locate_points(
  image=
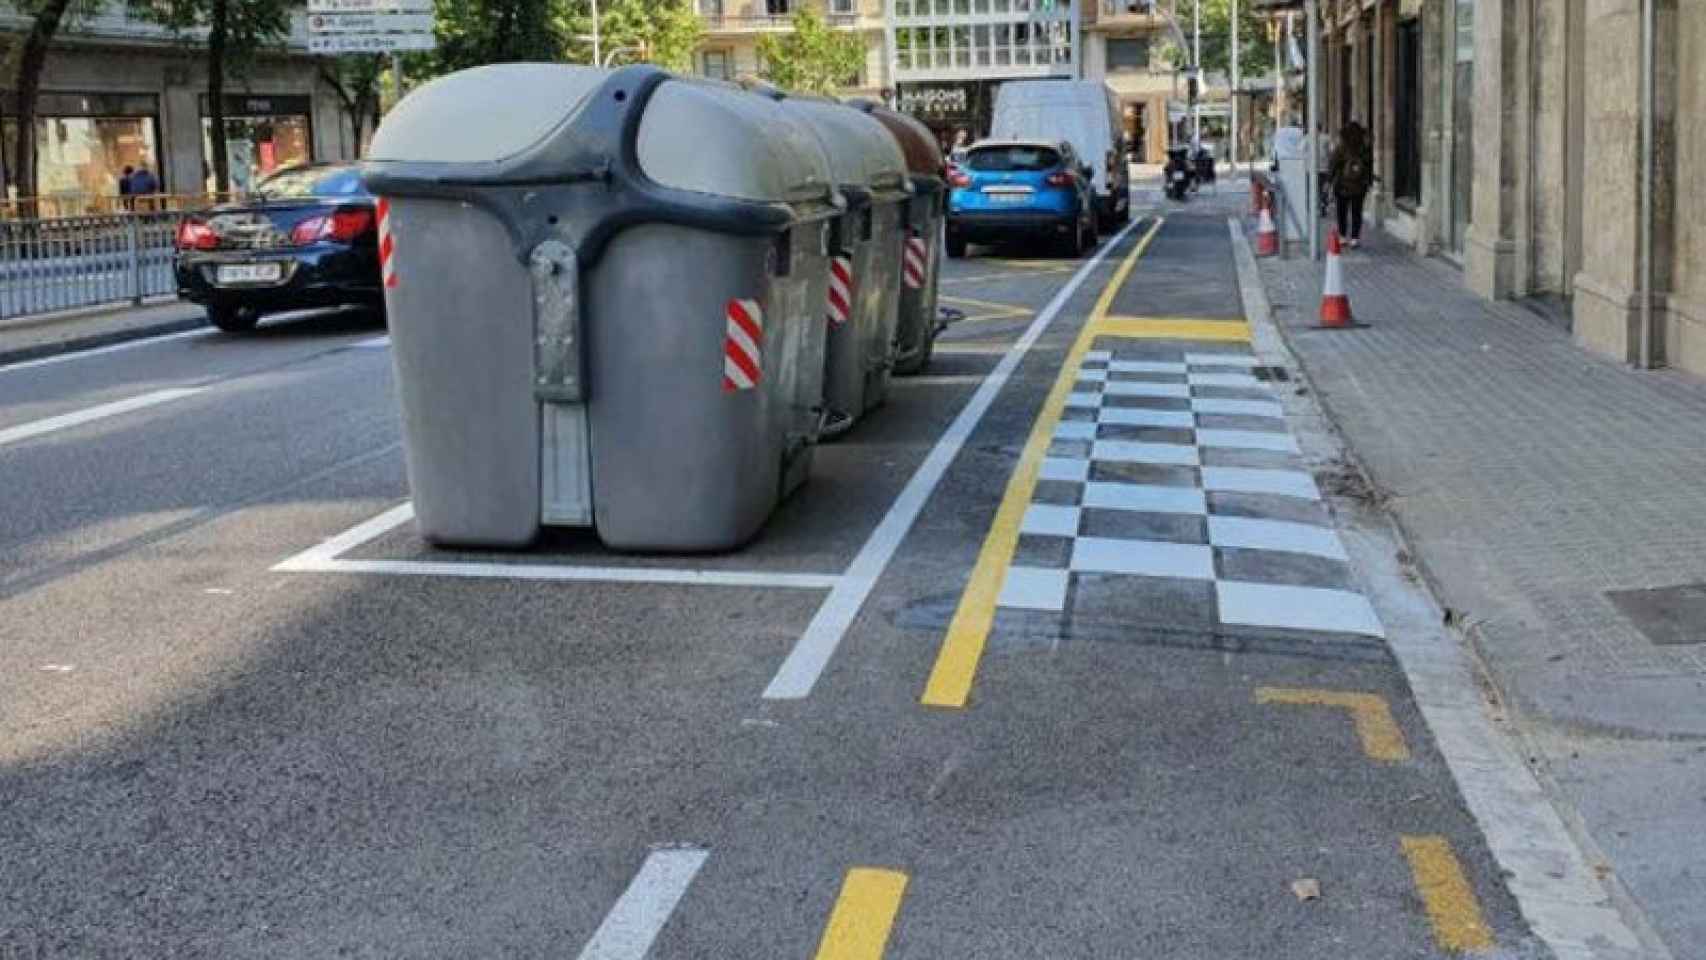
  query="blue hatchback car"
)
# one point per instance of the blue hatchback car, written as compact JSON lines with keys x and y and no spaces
{"x":1014,"y":190}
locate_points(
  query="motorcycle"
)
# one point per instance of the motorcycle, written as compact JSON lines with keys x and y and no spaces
{"x":1179,"y":176}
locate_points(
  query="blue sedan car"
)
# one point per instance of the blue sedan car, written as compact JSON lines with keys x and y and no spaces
{"x":1021,"y":190}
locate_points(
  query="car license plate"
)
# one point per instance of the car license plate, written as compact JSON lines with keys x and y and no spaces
{"x":249,"y":272}
{"x":1008,"y":196}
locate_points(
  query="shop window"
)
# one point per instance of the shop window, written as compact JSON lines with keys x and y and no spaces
{"x":83,"y":144}
{"x":257,"y":146}
{"x":716,"y":65}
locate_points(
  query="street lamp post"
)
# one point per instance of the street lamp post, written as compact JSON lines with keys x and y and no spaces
{"x":597,"y":59}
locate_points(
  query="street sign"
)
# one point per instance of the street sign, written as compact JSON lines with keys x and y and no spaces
{"x":369,"y":6}
{"x":324,"y":23}
{"x":336,"y":43}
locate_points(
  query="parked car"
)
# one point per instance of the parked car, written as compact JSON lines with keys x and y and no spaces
{"x":1021,"y":190}
{"x":305,"y":237}
{"x":1084,"y":113}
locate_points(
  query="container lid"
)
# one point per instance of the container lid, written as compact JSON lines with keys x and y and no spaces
{"x":861,"y":152}
{"x":484,"y":115}
{"x":917,"y":144}
{"x":715,"y":138}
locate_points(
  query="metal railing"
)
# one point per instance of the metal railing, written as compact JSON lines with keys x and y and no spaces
{"x":758,"y":21}
{"x":64,"y":263}
{"x":66,"y":205}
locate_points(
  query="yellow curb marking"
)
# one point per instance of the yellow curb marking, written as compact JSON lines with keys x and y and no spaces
{"x":1381,"y":738}
{"x":1177,"y":328}
{"x":1451,"y":904}
{"x":858,"y":927}
{"x":956,"y":663}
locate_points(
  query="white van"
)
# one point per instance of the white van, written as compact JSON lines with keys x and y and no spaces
{"x":1084,"y":113}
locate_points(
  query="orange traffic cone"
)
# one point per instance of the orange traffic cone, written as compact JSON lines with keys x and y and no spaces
{"x":1267,"y":237}
{"x":1335,"y":305}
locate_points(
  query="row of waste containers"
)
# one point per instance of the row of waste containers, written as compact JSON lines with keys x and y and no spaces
{"x":635,"y":301}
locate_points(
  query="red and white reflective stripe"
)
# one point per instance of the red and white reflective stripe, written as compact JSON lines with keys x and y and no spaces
{"x":742,"y":366}
{"x":840,"y":290}
{"x":387,"y":265}
{"x":916,"y":262}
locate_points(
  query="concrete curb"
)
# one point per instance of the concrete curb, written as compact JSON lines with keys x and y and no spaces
{"x":1544,"y":854}
{"x":96,"y":340}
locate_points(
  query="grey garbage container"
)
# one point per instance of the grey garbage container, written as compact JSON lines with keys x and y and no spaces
{"x":870,"y":172}
{"x":916,"y":322}
{"x":606,"y":308}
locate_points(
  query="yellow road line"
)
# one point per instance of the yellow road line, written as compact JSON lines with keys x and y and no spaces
{"x":1450,"y":901}
{"x":858,"y":927}
{"x":988,"y":304}
{"x":956,"y":663}
{"x":1177,"y":328}
{"x":1381,"y":738}
{"x":1026,"y":275}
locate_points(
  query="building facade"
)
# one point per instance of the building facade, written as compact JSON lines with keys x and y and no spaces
{"x":729,"y":49}
{"x":118,"y":92}
{"x":1507,"y":137}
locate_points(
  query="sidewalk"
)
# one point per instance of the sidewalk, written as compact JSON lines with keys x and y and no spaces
{"x":25,"y":338}
{"x":1537,"y":483}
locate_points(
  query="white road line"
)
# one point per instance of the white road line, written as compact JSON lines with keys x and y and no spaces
{"x":1144,"y":558}
{"x":806,"y":662}
{"x":1250,"y":533}
{"x":324,"y":558}
{"x":315,"y":559}
{"x":1134,"y":451}
{"x":65,"y":421}
{"x":641,"y":912}
{"x":114,"y":348}
{"x":1034,"y":588}
{"x":1296,"y":608}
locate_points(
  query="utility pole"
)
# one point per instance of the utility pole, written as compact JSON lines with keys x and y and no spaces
{"x":1312,"y":210}
{"x":1196,"y":68}
{"x":1236,"y":86}
{"x":597,"y":58}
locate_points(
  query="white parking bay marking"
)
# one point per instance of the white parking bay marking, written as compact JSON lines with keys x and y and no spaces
{"x":327,"y":558}
{"x":806,"y":662}
{"x":65,"y":421}
{"x":640,"y":914}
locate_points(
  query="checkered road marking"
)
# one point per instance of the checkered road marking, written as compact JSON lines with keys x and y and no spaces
{"x":1173,"y":484}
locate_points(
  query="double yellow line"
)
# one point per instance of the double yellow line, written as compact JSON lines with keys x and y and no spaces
{"x":956,"y":664}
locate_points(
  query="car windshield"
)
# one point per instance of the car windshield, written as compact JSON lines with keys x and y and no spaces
{"x":1003,"y":159}
{"x":304,"y":182}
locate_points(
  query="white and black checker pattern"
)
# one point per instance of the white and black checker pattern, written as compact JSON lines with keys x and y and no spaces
{"x":1173,"y":485}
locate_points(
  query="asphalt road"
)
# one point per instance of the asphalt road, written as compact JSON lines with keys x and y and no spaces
{"x":205,"y":756}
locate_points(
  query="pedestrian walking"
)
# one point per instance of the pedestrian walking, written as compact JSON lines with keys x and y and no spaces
{"x":1353,"y":174}
{"x":124,"y":185}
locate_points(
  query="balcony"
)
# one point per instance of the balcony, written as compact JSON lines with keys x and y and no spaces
{"x":1124,"y":13}
{"x":759,"y":18}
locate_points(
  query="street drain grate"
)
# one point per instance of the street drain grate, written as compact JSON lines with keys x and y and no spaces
{"x":1667,"y":616}
{"x":1271,"y":374}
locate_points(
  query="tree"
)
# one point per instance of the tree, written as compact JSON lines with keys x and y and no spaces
{"x":473,"y":33}
{"x":1255,"y":53}
{"x":48,"y":16}
{"x":664,"y":32}
{"x":356,"y":79}
{"x":812,"y":58}
{"x":237,"y":30}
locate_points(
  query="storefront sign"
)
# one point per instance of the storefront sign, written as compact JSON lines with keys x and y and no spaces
{"x":936,"y":101}
{"x":263,"y":105}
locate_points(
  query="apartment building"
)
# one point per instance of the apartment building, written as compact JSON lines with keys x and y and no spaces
{"x":729,"y":48}
{"x":1507,"y":140}
{"x":120,"y":92}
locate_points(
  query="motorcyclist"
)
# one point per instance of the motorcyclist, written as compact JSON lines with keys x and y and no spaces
{"x":1179,"y":176}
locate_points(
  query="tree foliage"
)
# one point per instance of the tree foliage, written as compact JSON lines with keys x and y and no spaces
{"x":358,"y":80}
{"x":1255,"y":51}
{"x":23,"y":61}
{"x":664,"y":32}
{"x":476,"y":32}
{"x":813,"y":57}
{"x":237,"y":30}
